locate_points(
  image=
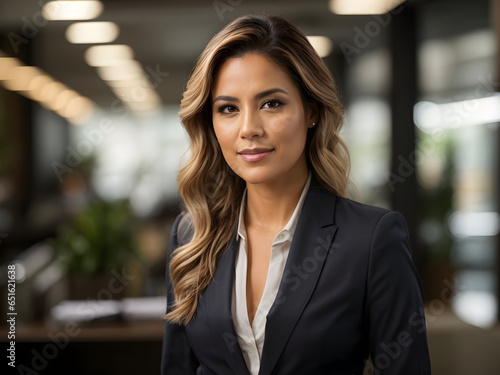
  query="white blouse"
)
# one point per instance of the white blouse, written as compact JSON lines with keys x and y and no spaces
{"x":251,"y":338}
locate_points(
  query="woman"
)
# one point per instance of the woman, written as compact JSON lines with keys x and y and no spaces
{"x":272,"y":269}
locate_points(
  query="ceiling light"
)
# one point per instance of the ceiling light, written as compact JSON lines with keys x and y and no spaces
{"x":124,"y":93}
{"x":143,"y":106}
{"x":72,"y":10}
{"x":136,"y":94}
{"x":363,"y":6}
{"x":322,"y":44}
{"x":36,"y":86}
{"x":84,"y":111}
{"x":126,"y":71}
{"x":92,"y":32}
{"x":108,"y":55}
{"x":6,"y":64}
{"x":430,"y":116}
{"x":77,"y":109}
{"x":50,"y":92}
{"x":147,"y":96}
{"x":63,"y":98}
{"x":21,"y":77}
{"x":141,"y":82}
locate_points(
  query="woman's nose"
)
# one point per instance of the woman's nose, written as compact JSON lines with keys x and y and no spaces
{"x":251,"y":125}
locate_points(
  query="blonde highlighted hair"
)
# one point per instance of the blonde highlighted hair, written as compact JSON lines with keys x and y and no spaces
{"x":211,"y":191}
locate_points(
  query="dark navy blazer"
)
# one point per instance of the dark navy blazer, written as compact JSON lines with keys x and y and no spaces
{"x":349,"y":290}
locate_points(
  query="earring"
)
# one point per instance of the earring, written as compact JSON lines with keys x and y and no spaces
{"x":314,"y":123}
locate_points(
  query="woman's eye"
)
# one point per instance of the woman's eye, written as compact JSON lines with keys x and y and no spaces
{"x":272,"y":104}
{"x":227,"y":109}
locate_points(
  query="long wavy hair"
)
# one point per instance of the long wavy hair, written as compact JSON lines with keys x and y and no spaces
{"x":211,"y":191}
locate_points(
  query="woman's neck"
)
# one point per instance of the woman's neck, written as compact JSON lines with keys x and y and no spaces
{"x":270,"y":206}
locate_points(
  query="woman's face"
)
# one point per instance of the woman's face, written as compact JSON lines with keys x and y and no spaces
{"x":260,"y":120}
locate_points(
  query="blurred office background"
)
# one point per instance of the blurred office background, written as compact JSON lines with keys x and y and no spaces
{"x":90,"y":143}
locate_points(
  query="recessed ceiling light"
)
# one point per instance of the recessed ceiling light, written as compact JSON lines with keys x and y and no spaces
{"x":77,"y":110}
{"x":145,"y":106}
{"x":135,"y":94}
{"x":72,"y":10}
{"x":135,"y":82}
{"x":108,"y":55}
{"x":125,"y":71}
{"x":36,"y":86}
{"x":50,"y":92}
{"x":6,"y":64}
{"x":363,"y":6}
{"x":92,"y":32}
{"x":63,"y":99}
{"x":322,"y":44}
{"x":33,"y":83}
{"x":21,"y":77}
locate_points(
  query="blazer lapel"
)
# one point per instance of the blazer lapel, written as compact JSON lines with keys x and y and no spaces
{"x":218,"y":296}
{"x":310,"y":245}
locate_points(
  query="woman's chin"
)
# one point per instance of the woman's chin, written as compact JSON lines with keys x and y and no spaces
{"x":256,"y":176}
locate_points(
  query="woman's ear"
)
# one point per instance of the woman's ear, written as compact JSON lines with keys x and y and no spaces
{"x":312,"y":114}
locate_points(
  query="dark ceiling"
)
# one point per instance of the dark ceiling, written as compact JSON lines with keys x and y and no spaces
{"x":166,"y":36}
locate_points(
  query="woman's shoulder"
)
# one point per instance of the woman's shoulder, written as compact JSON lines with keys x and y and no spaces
{"x":366,"y":213}
{"x":359,"y":208}
{"x":348,"y":210}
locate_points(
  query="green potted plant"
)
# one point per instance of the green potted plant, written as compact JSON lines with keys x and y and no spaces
{"x":95,"y":246}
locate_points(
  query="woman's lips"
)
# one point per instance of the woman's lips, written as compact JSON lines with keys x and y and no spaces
{"x":254,"y":155}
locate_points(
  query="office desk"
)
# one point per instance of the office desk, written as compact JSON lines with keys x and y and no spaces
{"x":88,"y":349}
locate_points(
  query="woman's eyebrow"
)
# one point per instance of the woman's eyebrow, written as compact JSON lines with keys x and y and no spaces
{"x":269,"y":92}
{"x":226,"y":98}
{"x":260,"y":95}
